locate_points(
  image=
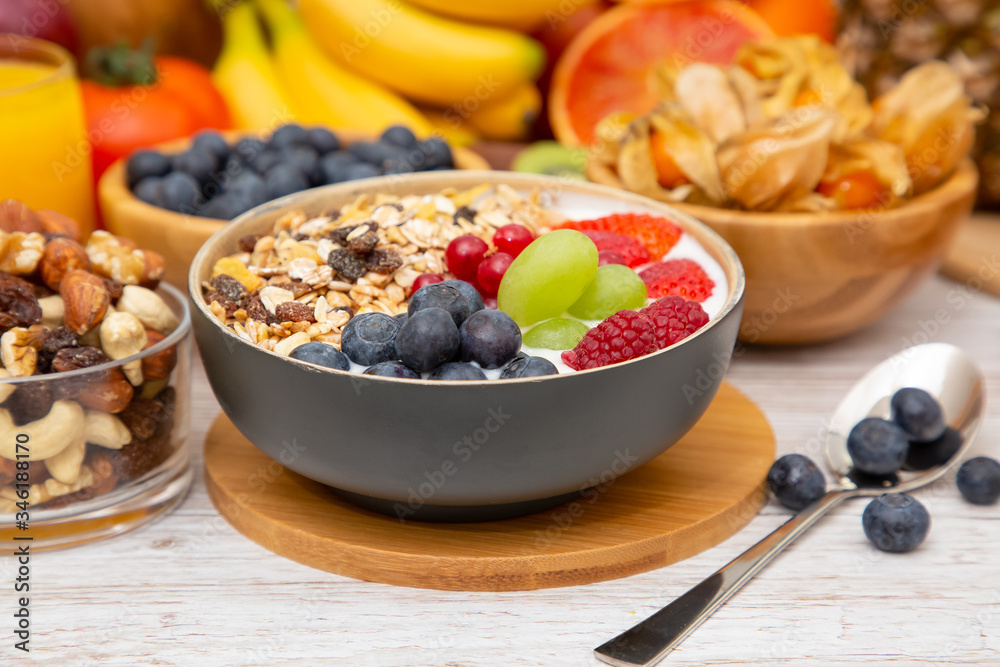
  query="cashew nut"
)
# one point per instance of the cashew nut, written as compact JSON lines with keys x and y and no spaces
{"x":149,"y":308}
{"x":53,"y":311}
{"x":16,"y":352}
{"x":6,"y":388}
{"x":51,"y":488}
{"x":123,"y":335}
{"x":46,"y":436}
{"x":105,"y":430}
{"x":65,"y":466}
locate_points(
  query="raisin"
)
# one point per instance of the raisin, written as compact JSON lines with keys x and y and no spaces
{"x":466,"y":212}
{"x":41,"y":291}
{"x":248,"y":242}
{"x":37,"y":472}
{"x":340,"y":234}
{"x":18,"y":302}
{"x":215,"y":296}
{"x":98,"y":460}
{"x":142,"y":416}
{"x":256,"y":311}
{"x":72,"y":358}
{"x":139,"y":457}
{"x":346,"y":264}
{"x":345,"y":309}
{"x":293,"y":311}
{"x":230,"y":288}
{"x":30,"y":401}
{"x":114,"y":288}
{"x":301,"y":236}
{"x":363,"y":244}
{"x":52,"y":341}
{"x":383,"y":260}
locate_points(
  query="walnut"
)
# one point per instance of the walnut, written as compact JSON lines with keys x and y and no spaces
{"x":113,"y":257}
{"x":20,"y":252}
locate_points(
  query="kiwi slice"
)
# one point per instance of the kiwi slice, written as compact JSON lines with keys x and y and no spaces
{"x":552,"y":159}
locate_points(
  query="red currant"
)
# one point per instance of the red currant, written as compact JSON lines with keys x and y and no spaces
{"x":512,"y":239}
{"x":609,"y":257}
{"x":464,"y":254}
{"x":491,"y":270}
{"x":490,"y":302}
{"x":426,"y":279}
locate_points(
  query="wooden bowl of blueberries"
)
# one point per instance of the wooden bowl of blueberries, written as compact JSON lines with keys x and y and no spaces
{"x":173,"y":197}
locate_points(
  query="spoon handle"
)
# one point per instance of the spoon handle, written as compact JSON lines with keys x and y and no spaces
{"x":649,"y":641}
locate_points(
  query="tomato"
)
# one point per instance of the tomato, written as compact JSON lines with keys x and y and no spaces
{"x":122,"y":118}
{"x":858,"y":189}
{"x":668,"y":174}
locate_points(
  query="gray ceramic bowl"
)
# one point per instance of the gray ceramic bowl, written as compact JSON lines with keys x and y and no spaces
{"x":464,"y":451}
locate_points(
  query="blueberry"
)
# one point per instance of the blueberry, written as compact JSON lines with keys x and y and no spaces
{"x":143,"y":164}
{"x":283,"y":180}
{"x":306,"y":160}
{"x":323,"y":140}
{"x":918,"y":414}
{"x":927,"y":455}
{"x":979,"y":480}
{"x":397,"y":166}
{"x":370,"y":338}
{"x":445,"y":297}
{"x":247,"y":149}
{"x":428,"y":339}
{"x":321,"y":354}
{"x":334,"y":166}
{"x":392,"y":369}
{"x":198,"y":162}
{"x":401,"y":318}
{"x":437,"y":152}
{"x":373,"y":152}
{"x":180,"y":192}
{"x":213,"y":143}
{"x":524,"y":366}
{"x":470,"y":293}
{"x":795,"y":481}
{"x":877,"y":446}
{"x":361,"y":170}
{"x":266,"y":160}
{"x":490,"y":338}
{"x":289,"y":135}
{"x":248,"y":187}
{"x":457,"y":370}
{"x":224,"y":207}
{"x":896,"y":522}
{"x":150,"y":190}
{"x":399,"y":135}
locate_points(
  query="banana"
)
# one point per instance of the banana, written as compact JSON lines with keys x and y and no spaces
{"x":426,"y":57}
{"x":523,"y":15}
{"x":450,"y":126}
{"x":244,"y":73}
{"x":509,"y":118}
{"x":322,"y":91}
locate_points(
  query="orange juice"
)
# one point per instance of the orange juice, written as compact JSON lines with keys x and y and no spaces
{"x":44,"y":154}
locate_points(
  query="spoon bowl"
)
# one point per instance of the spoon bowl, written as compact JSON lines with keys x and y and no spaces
{"x":944,"y":371}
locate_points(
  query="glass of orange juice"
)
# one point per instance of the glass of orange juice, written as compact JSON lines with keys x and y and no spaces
{"x":44,"y":153}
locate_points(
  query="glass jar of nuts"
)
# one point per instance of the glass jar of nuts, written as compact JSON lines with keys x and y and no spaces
{"x":94,"y":384}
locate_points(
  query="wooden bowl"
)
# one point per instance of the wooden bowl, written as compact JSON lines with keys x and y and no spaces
{"x":177,"y":236}
{"x":818,"y":276}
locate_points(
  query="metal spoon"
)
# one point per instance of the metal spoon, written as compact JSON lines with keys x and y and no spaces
{"x":943,"y":370}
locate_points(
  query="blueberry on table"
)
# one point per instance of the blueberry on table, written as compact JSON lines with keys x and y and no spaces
{"x":526,"y":366}
{"x":457,"y":370}
{"x":144,"y":164}
{"x":213,"y":143}
{"x":392,"y":369}
{"x":289,"y":135}
{"x":150,"y":190}
{"x":360,"y":170}
{"x":333,"y":166}
{"x":198,"y":162}
{"x":437,"y":154}
{"x":321,"y":354}
{"x":490,"y":338}
{"x":979,"y":480}
{"x":877,"y":446}
{"x":918,"y":414}
{"x":399,"y":135}
{"x":896,"y":522}
{"x":796,"y":481}
{"x":180,"y":192}
{"x":470,"y":293}
{"x":284,"y":180}
{"x":323,"y":140}
{"x":428,"y":339}
{"x":370,"y":338}
{"x":439,"y":295}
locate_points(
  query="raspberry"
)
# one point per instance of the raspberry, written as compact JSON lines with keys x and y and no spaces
{"x":659,"y":235}
{"x":625,"y":335}
{"x":674,"y":319}
{"x":677,"y":277}
{"x":633,"y":252}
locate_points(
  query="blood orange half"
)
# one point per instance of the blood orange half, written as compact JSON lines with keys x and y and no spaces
{"x":615,"y":63}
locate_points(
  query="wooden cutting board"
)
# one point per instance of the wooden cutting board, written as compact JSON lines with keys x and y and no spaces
{"x":974,"y":256}
{"x":693,"y":496}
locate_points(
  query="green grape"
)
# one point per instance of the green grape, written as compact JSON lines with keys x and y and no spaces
{"x":615,"y":287}
{"x":548,"y":276}
{"x":559,"y":333}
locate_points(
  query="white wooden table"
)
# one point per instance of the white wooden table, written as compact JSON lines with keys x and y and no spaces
{"x":190,"y":590}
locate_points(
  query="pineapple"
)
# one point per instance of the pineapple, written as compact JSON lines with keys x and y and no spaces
{"x":881,"y":39}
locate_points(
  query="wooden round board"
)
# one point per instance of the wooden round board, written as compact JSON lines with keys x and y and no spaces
{"x":691,"y":497}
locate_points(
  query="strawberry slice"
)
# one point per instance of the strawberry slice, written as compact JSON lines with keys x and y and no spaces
{"x":631,"y":251}
{"x":658,"y":234}
{"x":677,"y":277}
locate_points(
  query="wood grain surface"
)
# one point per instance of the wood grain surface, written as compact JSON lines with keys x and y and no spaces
{"x":974,"y":255}
{"x":678,"y":504}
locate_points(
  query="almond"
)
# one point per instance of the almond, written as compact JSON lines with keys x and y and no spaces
{"x":109,"y":391}
{"x":54,"y":222}
{"x":15,"y":216}
{"x":85,"y":298}
{"x":61,"y":255}
{"x":158,"y":366}
{"x":153,"y":269}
